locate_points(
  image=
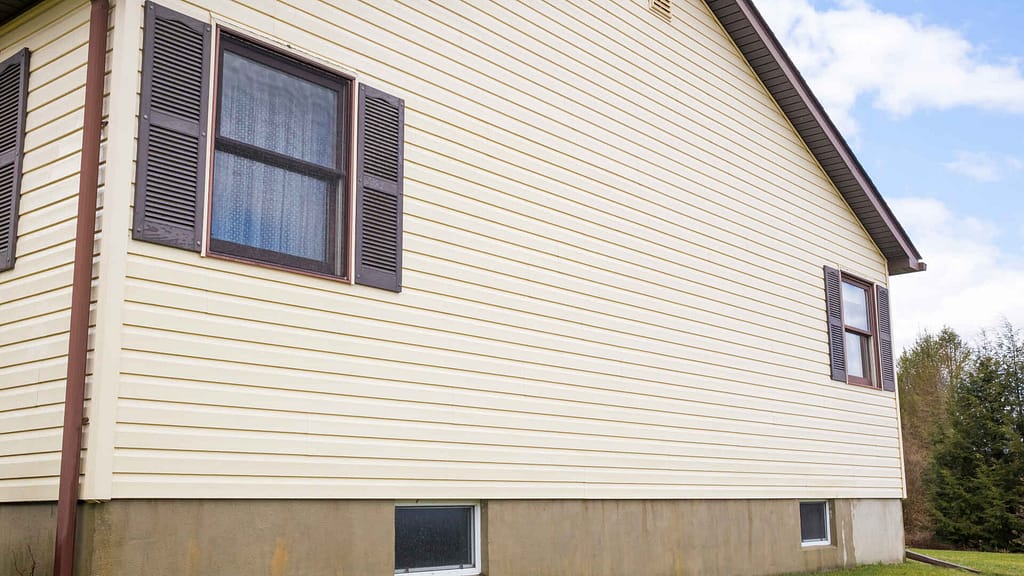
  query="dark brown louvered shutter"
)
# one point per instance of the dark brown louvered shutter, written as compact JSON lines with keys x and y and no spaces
{"x":380,"y":155}
{"x":13,"y":95}
{"x":885,"y":339}
{"x":171,"y":168}
{"x":834,"y":309}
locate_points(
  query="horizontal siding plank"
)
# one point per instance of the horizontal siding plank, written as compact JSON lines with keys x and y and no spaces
{"x":46,"y":465}
{"x":28,"y":489}
{"x":400,"y":401}
{"x":43,"y":349}
{"x":395,"y":343}
{"x":51,"y":173}
{"x":31,"y":442}
{"x":185,"y":486}
{"x":35,"y":418}
{"x":33,"y":396}
{"x":780,"y":401}
{"x":668,"y":318}
{"x":716,"y":223}
{"x":242,"y":465}
{"x":408,"y":326}
{"x":34,"y":328}
{"x":679,"y":398}
{"x":540,"y":449}
{"x":40,"y":371}
{"x":68,"y":146}
{"x":468,"y":422}
{"x":58,"y":129}
{"x":52,"y":238}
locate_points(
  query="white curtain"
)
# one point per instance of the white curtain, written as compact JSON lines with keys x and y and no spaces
{"x":261,"y":205}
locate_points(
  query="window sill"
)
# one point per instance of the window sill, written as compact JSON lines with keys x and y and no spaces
{"x":271,"y":266}
{"x":453,"y":572}
{"x":866,"y":386}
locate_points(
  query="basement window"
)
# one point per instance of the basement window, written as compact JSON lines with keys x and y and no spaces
{"x":815,"y":523}
{"x":442,"y":539}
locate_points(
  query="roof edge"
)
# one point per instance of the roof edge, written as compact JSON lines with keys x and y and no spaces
{"x":832,"y":152}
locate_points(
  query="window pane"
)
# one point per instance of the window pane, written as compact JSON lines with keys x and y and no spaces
{"x":855,"y":306}
{"x":268,"y":207}
{"x":433,"y":537}
{"x":265,"y":107}
{"x":813,"y":522}
{"x":858,"y":355}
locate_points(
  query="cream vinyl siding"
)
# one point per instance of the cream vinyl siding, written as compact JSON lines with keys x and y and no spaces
{"x":35,"y":297}
{"x":612,"y":285}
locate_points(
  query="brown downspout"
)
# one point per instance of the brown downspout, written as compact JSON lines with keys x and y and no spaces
{"x":81,"y":290}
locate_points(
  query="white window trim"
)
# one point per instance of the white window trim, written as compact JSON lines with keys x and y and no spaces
{"x":471,"y":571}
{"x":828,"y":525}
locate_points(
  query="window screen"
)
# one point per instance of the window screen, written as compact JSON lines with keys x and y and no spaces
{"x":814,"y":528}
{"x":433,"y":538}
{"x":278,"y":162}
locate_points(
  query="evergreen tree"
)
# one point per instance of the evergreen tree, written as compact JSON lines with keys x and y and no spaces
{"x":1007,"y":346}
{"x":976,"y":476}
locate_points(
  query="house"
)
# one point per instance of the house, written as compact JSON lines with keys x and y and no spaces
{"x":582,"y":287}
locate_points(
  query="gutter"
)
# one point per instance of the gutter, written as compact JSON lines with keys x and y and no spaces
{"x":81,"y":291}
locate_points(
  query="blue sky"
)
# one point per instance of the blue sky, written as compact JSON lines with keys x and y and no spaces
{"x":930,"y":95}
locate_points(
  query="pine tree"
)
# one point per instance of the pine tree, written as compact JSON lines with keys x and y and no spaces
{"x":976,"y":475}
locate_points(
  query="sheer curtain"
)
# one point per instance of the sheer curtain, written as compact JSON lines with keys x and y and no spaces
{"x":256,"y":203}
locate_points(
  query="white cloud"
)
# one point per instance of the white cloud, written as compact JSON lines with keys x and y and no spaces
{"x":904,"y":64}
{"x":971,"y":283}
{"x":984,"y":167}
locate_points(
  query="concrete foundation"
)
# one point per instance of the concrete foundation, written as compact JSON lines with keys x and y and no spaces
{"x":27,"y":533}
{"x":519,"y":537}
{"x":682,"y":537}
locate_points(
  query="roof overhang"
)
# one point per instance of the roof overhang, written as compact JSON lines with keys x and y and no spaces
{"x":9,"y":9}
{"x":765,"y":54}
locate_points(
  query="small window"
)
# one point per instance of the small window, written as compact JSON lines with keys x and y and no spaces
{"x":280,"y":153}
{"x":859,"y":331}
{"x":815,"y":528}
{"x":437,"y":539}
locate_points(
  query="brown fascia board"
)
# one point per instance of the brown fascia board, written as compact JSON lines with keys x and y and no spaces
{"x":754,"y":39}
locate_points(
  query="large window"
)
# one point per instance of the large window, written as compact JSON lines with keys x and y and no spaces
{"x":307,"y":163}
{"x":279,"y":161}
{"x":437,"y":539}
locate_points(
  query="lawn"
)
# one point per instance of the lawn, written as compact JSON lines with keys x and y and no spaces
{"x":990,"y":564}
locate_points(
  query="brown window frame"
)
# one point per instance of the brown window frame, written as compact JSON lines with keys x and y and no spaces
{"x":875,"y":379}
{"x":335,"y":263}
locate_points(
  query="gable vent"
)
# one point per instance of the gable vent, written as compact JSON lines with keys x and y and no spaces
{"x":663,"y":8}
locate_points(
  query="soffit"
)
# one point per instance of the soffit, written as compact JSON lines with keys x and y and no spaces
{"x":765,"y":55}
{"x":11,"y":8}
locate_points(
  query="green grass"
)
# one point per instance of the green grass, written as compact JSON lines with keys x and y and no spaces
{"x":990,"y":564}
